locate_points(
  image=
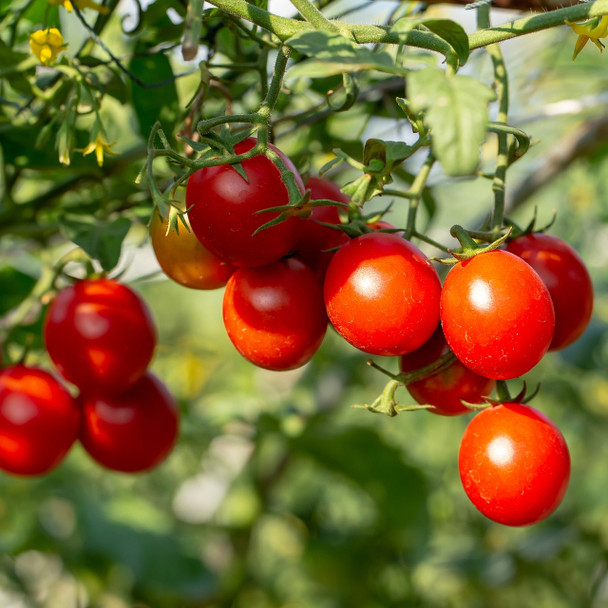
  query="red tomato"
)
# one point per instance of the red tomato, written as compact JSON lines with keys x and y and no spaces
{"x":100,"y":335}
{"x":131,"y":432}
{"x":184,"y":259}
{"x":38,"y":420}
{"x":382,"y":294}
{"x":514,"y":464}
{"x":567,"y":279}
{"x":497,"y":315}
{"x":446,"y":388}
{"x":274,"y":314}
{"x":223,"y":209}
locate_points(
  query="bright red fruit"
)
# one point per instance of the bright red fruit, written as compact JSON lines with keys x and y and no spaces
{"x":382,"y":294}
{"x":100,"y":335}
{"x":567,"y":279}
{"x":131,"y":432}
{"x":274,"y":314}
{"x":514,"y":464}
{"x":38,"y":420}
{"x":497,"y":315}
{"x":223,"y":209}
{"x":446,"y":388}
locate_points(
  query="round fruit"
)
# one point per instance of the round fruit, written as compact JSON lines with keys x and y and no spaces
{"x":274,"y":314}
{"x":447,"y":388}
{"x":131,"y":432}
{"x":382,"y":294}
{"x":223,"y":209}
{"x":100,"y":335}
{"x":184,"y":259}
{"x":497,"y":315}
{"x":567,"y":279}
{"x":38,"y":420}
{"x":514,"y":464}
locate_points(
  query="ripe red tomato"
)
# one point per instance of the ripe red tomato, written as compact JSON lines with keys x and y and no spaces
{"x":100,"y":335}
{"x":222,"y":208}
{"x":446,"y":388}
{"x":274,"y":314}
{"x":567,"y":279}
{"x":382,"y":294}
{"x":131,"y":432}
{"x":497,"y":315}
{"x":38,"y":420}
{"x":184,"y":259}
{"x":514,"y":464}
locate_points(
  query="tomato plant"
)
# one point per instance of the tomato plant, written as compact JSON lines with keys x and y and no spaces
{"x":514,"y":464}
{"x":131,"y":432}
{"x":567,"y":279}
{"x":274,"y":314}
{"x":100,"y":335}
{"x":497,"y":314}
{"x":38,"y":420}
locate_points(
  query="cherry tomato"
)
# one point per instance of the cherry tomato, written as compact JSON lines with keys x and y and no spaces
{"x":274,"y":314}
{"x":567,"y":279}
{"x":382,"y":294}
{"x":446,"y":388}
{"x":131,"y":432}
{"x":514,"y":464}
{"x":100,"y":335}
{"x":497,"y":315}
{"x":38,"y":420}
{"x":184,"y":259}
{"x":223,"y":209}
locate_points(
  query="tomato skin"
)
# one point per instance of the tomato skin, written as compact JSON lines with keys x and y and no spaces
{"x":100,"y":335}
{"x":274,"y":314}
{"x":184,"y":259}
{"x":444,"y":389}
{"x":497,"y":315}
{"x":382,"y":294}
{"x":38,"y":421}
{"x":514,"y":464}
{"x":131,"y":432}
{"x":222,"y":209}
{"x":567,"y":279}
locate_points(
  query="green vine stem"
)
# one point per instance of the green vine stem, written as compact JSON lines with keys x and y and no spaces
{"x":314,"y":16}
{"x":415,"y":193}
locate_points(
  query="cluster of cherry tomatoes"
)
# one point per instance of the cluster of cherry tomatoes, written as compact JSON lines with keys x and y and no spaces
{"x":101,"y":338}
{"x":494,"y":318}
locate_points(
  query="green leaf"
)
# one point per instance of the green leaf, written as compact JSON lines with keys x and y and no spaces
{"x":456,"y":111}
{"x":390,"y":153}
{"x":15,"y":286}
{"x":101,"y":240}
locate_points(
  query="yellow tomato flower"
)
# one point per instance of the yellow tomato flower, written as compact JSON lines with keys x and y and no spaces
{"x":593,"y":30}
{"x":47,"y":44}
{"x":81,"y":4}
{"x":99,"y":145}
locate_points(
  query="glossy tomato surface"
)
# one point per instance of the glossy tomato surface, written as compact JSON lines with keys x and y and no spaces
{"x":514,"y":464}
{"x":447,"y":388}
{"x":38,"y":420}
{"x":131,"y":432}
{"x":184,"y":259}
{"x":223,"y":210}
{"x":100,"y":335}
{"x":497,"y":315}
{"x":567,"y":279}
{"x":274,"y":314}
{"x":382,"y":294}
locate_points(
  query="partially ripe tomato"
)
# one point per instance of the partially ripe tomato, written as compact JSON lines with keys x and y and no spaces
{"x":497,"y":315}
{"x":184,"y":259}
{"x":274,"y":314}
{"x":567,"y":279}
{"x":100,"y":335}
{"x":382,"y":294}
{"x":131,"y":432}
{"x":514,"y":464}
{"x":447,"y":388}
{"x":223,"y":209}
{"x":38,"y":420}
